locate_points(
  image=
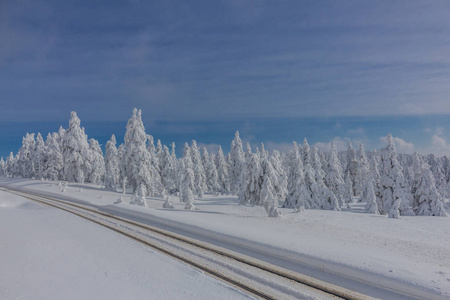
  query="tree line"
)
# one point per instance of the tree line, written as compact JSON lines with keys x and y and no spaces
{"x":303,"y":178}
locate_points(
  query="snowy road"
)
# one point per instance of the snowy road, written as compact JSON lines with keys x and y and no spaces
{"x":339,"y":274}
{"x":261,"y":280}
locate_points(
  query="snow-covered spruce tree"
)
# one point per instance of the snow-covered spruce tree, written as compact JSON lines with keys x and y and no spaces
{"x":376,"y":181}
{"x":323,"y":160}
{"x":136,"y":158}
{"x":213,"y":176}
{"x":222,"y":172}
{"x":75,"y":146}
{"x":139,"y":196}
{"x":24,"y":157}
{"x":159,"y":156}
{"x":251,"y":194}
{"x":237,"y":164}
{"x":176,"y":165}
{"x":205,"y":162}
{"x":326,"y":200}
{"x":155,"y":171}
{"x":97,"y":163}
{"x":437,"y":169}
{"x":312,"y":189}
{"x":38,"y":157}
{"x":2,"y":168}
{"x":334,"y":178}
{"x":168,"y":172}
{"x":280,"y":185}
{"x":297,"y":195}
{"x":122,"y":172}
{"x":305,"y":152}
{"x":243,"y":196}
{"x":348,"y":193}
{"x":53,"y":164}
{"x":187,"y":179}
{"x":363,"y":174}
{"x":427,"y":200}
{"x":152,"y":150}
{"x":11,"y":166}
{"x":395,"y":196}
{"x":352,"y":165}
{"x":211,"y":173}
{"x":417,"y":166}
{"x":371,"y":200}
{"x":199,"y":172}
{"x":111,"y":165}
{"x":60,"y":138}
{"x":268,"y":196}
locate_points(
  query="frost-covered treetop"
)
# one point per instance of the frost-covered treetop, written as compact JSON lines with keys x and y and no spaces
{"x":74,"y":120}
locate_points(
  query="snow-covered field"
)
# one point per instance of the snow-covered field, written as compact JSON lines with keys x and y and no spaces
{"x":49,"y":254}
{"x":413,"y":251}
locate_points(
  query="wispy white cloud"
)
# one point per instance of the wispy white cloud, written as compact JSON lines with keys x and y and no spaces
{"x":438,"y":143}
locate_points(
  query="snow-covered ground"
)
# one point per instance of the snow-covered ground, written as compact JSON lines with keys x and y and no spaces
{"x":46,"y":253}
{"x":413,"y":251}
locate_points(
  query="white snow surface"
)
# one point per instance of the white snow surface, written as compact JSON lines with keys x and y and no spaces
{"x":413,"y":250}
{"x":46,"y":253}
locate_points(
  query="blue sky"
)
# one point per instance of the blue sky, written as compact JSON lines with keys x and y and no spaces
{"x":275,"y":70}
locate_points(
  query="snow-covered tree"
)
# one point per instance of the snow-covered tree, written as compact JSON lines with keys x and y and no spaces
{"x":222,"y":172}
{"x":136,"y":158}
{"x":268,"y":196}
{"x":187,"y":179}
{"x":352,"y":165}
{"x":437,"y":169}
{"x":211,"y":173}
{"x":139,"y":196}
{"x":237,"y":164}
{"x":38,"y":157}
{"x":75,"y":146}
{"x":395,"y":197}
{"x":97,"y":163}
{"x":2,"y":168}
{"x":305,"y":152}
{"x":251,"y":194}
{"x":159,"y":156}
{"x":348,"y":192}
{"x":280,"y":185}
{"x":53,"y":164}
{"x":154,"y":158}
{"x":326,"y":198}
{"x":376,"y":181}
{"x":427,"y":200}
{"x":371,"y":200}
{"x":363,"y":174}
{"x":296,"y":191}
{"x":199,"y":172}
{"x":11,"y":166}
{"x":122,"y":171}
{"x":312,"y":189}
{"x":24,"y":156}
{"x":60,"y":138}
{"x":111,"y":165}
{"x":333,"y":178}
{"x":168,"y":172}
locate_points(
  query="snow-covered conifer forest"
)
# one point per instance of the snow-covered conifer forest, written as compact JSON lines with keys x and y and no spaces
{"x":387,"y":182}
